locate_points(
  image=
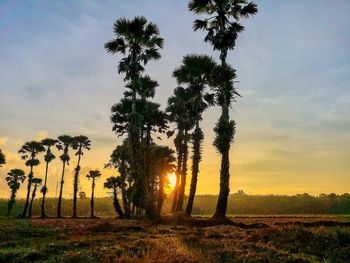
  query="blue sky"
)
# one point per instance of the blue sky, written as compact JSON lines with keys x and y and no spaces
{"x":293,"y":63}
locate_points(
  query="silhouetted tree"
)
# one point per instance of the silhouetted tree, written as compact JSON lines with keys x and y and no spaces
{"x":49,"y":156}
{"x":179,"y":110}
{"x":14,"y":179}
{"x":36,"y":182}
{"x":29,"y":152}
{"x":79,"y":144}
{"x":2,"y":158}
{"x":195,"y":71}
{"x":63,"y":144}
{"x":93,"y":175}
{"x":222,"y":31}
{"x":114,"y":183}
{"x":139,"y":40}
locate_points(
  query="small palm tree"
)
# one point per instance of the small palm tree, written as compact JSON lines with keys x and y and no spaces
{"x":195,"y":71}
{"x":63,"y":144}
{"x":2,"y":158}
{"x":49,"y":156}
{"x":79,"y":144}
{"x":94,"y":175}
{"x":114,"y":183}
{"x":222,"y":29}
{"x":179,"y":112}
{"x":14,"y":179}
{"x":36,"y":182}
{"x":29,"y":152}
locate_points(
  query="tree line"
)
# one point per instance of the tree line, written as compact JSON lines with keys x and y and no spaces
{"x":143,"y":166}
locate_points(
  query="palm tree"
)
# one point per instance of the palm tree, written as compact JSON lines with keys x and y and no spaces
{"x":63,"y":144}
{"x":180,"y":113}
{"x":120,"y":160}
{"x":2,"y":158}
{"x":115,"y":183}
{"x":139,"y":41}
{"x":29,"y":152}
{"x":195,"y":71}
{"x":222,"y":32}
{"x":94,"y":175}
{"x":14,"y":179}
{"x":49,"y":156}
{"x":36,"y":182}
{"x":79,"y":144}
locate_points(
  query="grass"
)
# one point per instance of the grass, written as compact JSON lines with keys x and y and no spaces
{"x":250,"y":239}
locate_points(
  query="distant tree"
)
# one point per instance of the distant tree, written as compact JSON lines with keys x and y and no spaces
{"x":14,"y":179}
{"x":36,"y":182}
{"x":64,"y":143}
{"x":48,"y":143}
{"x":2,"y":158}
{"x":115,"y":183}
{"x":79,"y":144}
{"x":195,"y":72}
{"x":29,"y":152}
{"x":222,"y":29}
{"x":93,"y":175}
{"x":82,"y":195}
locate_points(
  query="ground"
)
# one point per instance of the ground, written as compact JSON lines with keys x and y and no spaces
{"x":247,"y":239}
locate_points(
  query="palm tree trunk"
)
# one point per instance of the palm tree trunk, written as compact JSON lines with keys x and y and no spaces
{"x":161,"y":194}
{"x":31,"y":201}
{"x":30,"y":176}
{"x":197,"y":138}
{"x":11,"y":202}
{"x":221,"y":206}
{"x":92,"y":198}
{"x":75,"y":187}
{"x":44,"y":192}
{"x":61,"y":190}
{"x":178,"y":173}
{"x":117,"y":207}
{"x":181,"y":197}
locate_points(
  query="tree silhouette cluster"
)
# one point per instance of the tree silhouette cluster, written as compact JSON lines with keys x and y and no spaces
{"x":143,"y":165}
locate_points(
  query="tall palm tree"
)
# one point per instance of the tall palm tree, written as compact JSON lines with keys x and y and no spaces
{"x":114,"y":183}
{"x":195,"y":71}
{"x":29,"y":152}
{"x":49,"y":156}
{"x":179,"y":112}
{"x":63,"y":144}
{"x":79,"y":144}
{"x":94,"y":175}
{"x":140,"y":42}
{"x":14,"y":179}
{"x":2,"y":158}
{"x":36,"y":182}
{"x":222,"y":32}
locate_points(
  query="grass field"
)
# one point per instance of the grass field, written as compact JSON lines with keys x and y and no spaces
{"x":246,"y":239}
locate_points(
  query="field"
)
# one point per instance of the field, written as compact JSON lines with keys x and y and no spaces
{"x":245,"y":239}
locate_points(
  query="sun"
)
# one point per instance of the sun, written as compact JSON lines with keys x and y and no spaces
{"x":172,"y":180}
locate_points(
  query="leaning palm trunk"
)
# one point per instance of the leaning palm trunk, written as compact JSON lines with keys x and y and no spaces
{"x":182,"y":186}
{"x":44,"y":192}
{"x":61,"y":190}
{"x":11,"y":203}
{"x":30,"y":177}
{"x":31,"y":201}
{"x":197,"y":139}
{"x":116,"y":204}
{"x":76,"y":180}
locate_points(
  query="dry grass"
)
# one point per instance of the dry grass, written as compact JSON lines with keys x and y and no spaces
{"x":113,"y":240}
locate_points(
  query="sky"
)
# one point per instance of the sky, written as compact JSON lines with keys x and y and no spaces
{"x":293,"y":66}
